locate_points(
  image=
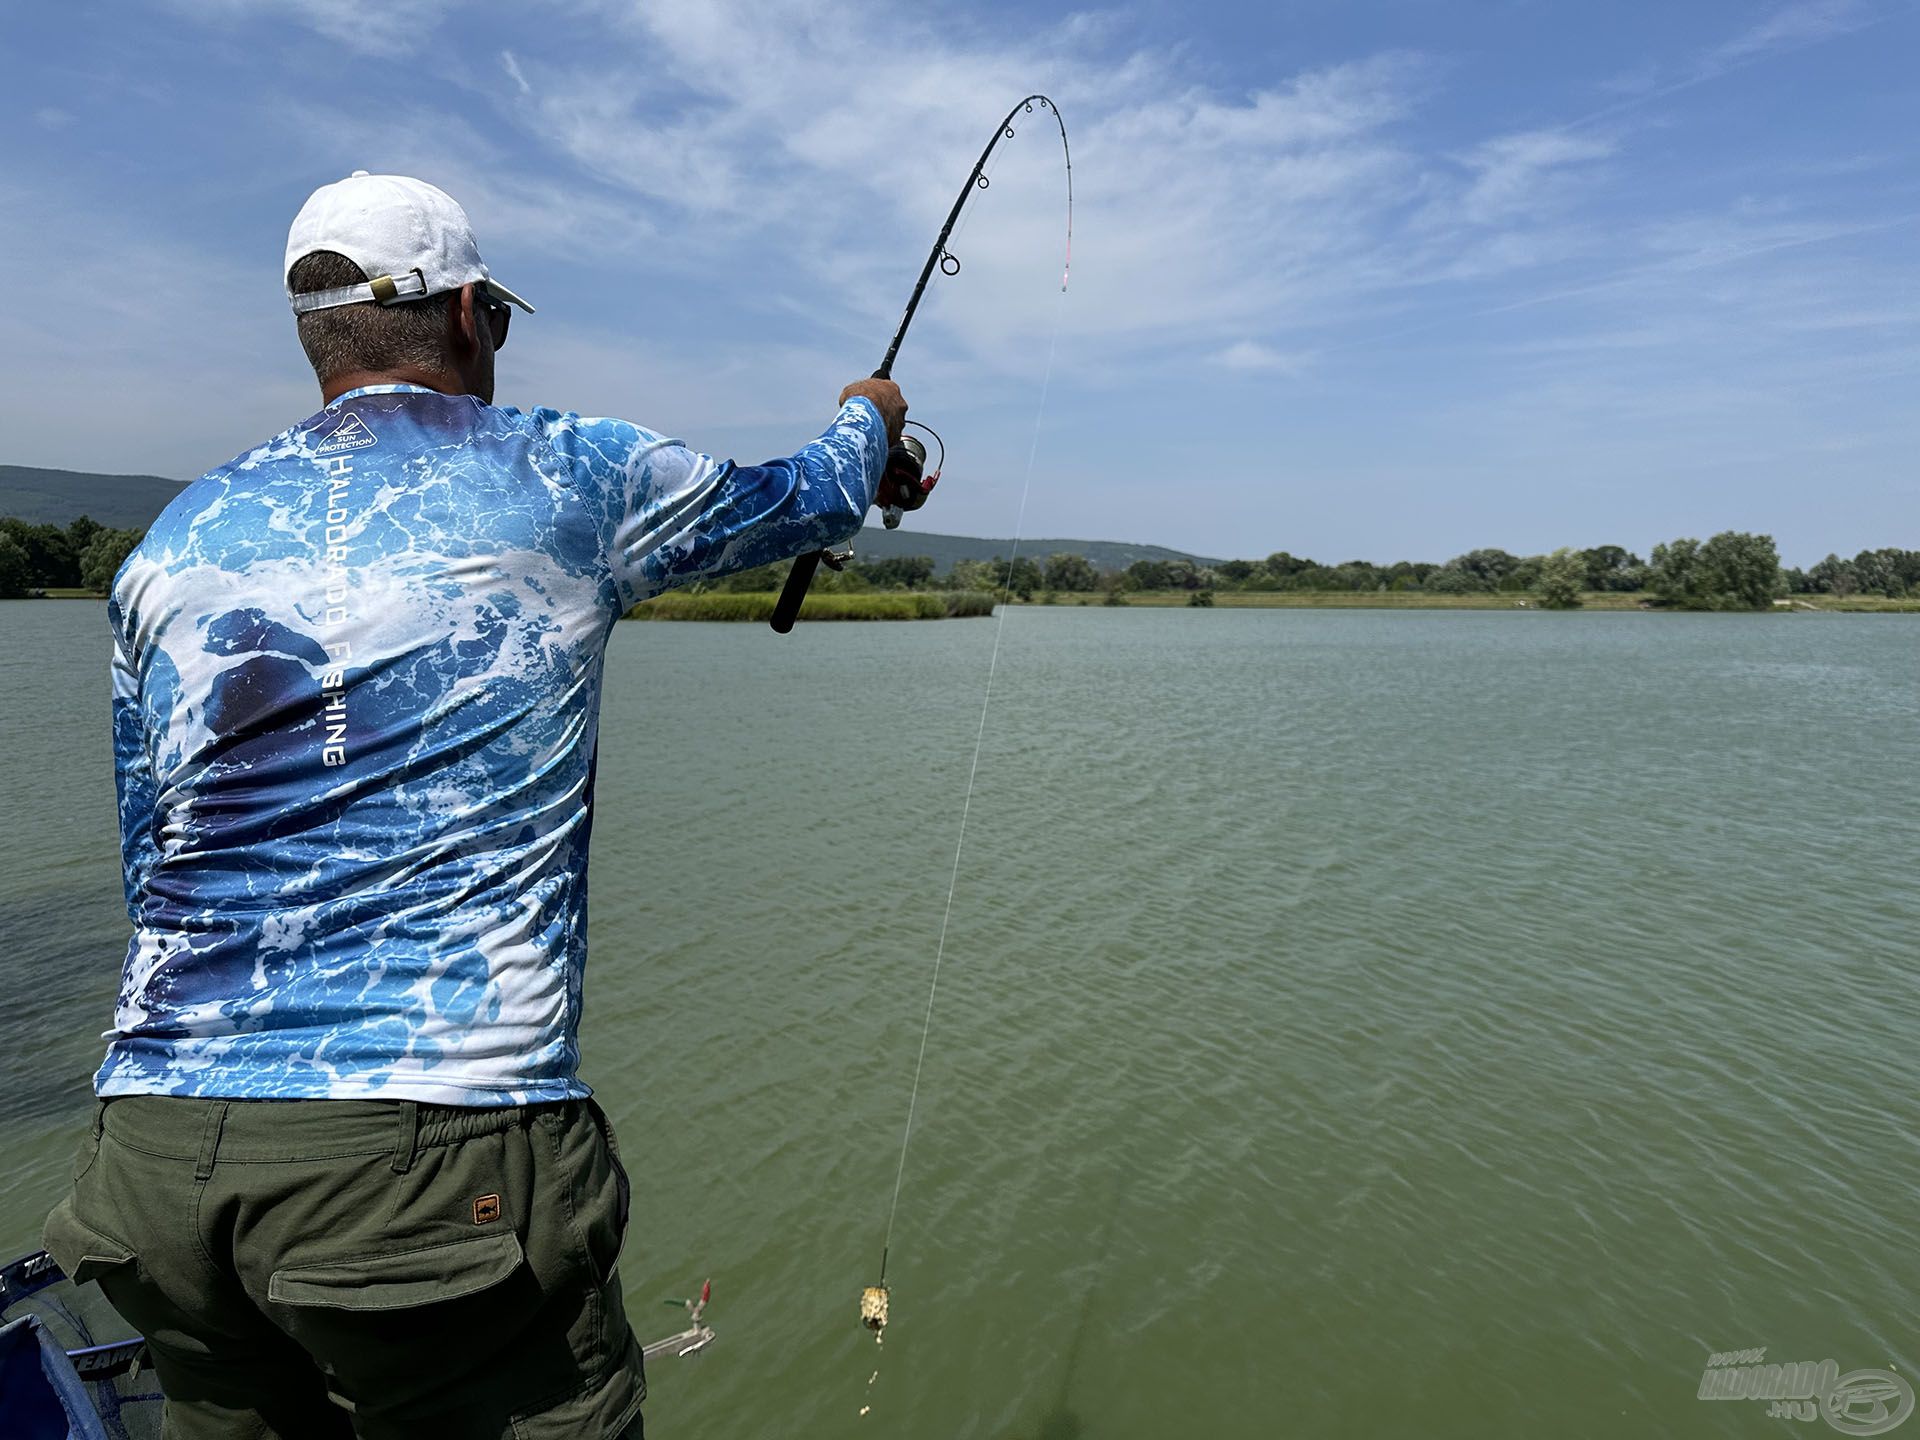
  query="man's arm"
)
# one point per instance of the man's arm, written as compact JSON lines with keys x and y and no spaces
{"x":676,"y":516}
{"x":132,"y":770}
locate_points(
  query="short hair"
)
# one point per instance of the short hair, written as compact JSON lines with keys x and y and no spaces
{"x":367,"y":336}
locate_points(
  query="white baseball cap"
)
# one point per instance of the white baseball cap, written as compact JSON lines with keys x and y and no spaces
{"x":410,"y":238}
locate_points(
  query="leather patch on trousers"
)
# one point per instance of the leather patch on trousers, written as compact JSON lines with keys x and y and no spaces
{"x":486,"y":1209}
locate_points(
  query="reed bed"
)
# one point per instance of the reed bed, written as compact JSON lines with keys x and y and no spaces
{"x":879,"y":605}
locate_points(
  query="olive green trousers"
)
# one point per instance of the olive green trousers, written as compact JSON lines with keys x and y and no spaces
{"x":339,"y":1268}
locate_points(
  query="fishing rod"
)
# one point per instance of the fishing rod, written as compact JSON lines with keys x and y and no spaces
{"x":906,"y":485}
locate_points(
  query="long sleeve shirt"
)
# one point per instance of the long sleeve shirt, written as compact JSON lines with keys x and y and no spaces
{"x":356,"y":694}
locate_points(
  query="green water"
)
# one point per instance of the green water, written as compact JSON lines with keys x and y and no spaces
{"x":1353,"y":1023}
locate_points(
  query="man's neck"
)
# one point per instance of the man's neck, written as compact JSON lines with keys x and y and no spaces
{"x":445,"y":381}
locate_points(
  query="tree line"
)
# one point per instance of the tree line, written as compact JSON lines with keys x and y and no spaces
{"x":86,"y":555}
{"x":1892,"y":573}
{"x":1730,"y":571}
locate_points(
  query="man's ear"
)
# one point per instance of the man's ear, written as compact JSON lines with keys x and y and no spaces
{"x":462,"y":323}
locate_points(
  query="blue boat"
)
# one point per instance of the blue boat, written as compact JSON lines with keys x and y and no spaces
{"x":72,"y":1369}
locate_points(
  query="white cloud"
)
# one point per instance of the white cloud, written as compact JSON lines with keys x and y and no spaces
{"x":1195,"y":208}
{"x":1790,"y":27}
{"x":196,"y":371}
{"x":389,"y":27}
{"x":1308,"y":206}
{"x":1254,"y":356}
{"x":512,"y":67}
{"x":514,"y":207}
{"x":1515,"y":175}
{"x":1201,"y":214}
{"x":754,"y":171}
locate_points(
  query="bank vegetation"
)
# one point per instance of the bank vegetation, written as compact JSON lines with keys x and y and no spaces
{"x":1730,"y":571}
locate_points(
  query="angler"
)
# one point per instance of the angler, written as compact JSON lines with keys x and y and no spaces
{"x":343,"y":1172}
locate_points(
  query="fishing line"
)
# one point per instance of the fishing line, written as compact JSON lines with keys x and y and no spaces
{"x":904,"y":485}
{"x":973,"y":772}
{"x":981,"y":179}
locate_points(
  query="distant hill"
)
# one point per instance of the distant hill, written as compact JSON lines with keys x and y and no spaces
{"x":130,"y":502}
{"x":875,"y":543}
{"x":59,"y":497}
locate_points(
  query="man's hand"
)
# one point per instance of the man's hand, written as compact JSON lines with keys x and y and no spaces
{"x":885,"y":396}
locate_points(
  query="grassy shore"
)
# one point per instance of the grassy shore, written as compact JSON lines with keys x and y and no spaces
{"x":1856,"y":604}
{"x":1409,"y":600}
{"x":947,"y":604}
{"x":872,"y":605}
{"x":1348,"y":600}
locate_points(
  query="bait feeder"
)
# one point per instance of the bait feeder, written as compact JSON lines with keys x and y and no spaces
{"x":873,"y":1308}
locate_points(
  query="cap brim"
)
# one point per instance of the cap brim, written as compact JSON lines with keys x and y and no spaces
{"x":496,"y":288}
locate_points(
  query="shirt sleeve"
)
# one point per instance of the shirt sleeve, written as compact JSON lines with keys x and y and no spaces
{"x":671,"y":515}
{"x":132,"y":770}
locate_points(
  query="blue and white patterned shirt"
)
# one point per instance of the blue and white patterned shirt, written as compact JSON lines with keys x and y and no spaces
{"x":356,"y":693}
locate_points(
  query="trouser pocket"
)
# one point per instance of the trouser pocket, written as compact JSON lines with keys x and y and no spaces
{"x":402,"y":1281}
{"x":623,"y":1185}
{"x":587,"y":1183}
{"x":476,"y":1302}
{"x":84,"y":1252}
{"x":90,"y":1256}
{"x":403,"y":1334}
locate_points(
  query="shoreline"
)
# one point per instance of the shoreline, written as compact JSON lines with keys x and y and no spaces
{"x":948,"y":604}
{"x":1627,"y":602}
{"x":870,"y":605}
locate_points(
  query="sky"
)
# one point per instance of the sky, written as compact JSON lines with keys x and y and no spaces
{"x":1373,"y":279}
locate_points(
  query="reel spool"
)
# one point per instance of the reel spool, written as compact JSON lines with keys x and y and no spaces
{"x":906,"y":485}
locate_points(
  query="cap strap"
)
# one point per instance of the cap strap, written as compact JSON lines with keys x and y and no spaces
{"x":382,"y":288}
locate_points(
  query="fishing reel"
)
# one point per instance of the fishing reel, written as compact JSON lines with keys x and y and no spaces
{"x":906,"y":485}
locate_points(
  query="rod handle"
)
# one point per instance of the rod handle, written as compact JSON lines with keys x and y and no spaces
{"x":786,"y":610}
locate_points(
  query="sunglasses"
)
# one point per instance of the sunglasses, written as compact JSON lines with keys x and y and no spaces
{"x":499,"y":314}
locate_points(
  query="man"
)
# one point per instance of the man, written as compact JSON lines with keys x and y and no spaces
{"x":343,"y":1173}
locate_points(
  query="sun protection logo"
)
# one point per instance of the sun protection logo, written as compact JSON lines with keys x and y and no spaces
{"x":1861,"y":1402}
{"x":350,"y":434}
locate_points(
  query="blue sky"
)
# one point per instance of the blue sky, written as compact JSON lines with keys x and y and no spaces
{"x":1373,"y":280}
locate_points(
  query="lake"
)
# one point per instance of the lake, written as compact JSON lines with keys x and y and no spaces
{"x":1352,"y":1023}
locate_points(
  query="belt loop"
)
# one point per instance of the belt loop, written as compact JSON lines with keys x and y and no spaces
{"x":210,"y":1140}
{"x":409,"y":1138}
{"x":99,"y":1118}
